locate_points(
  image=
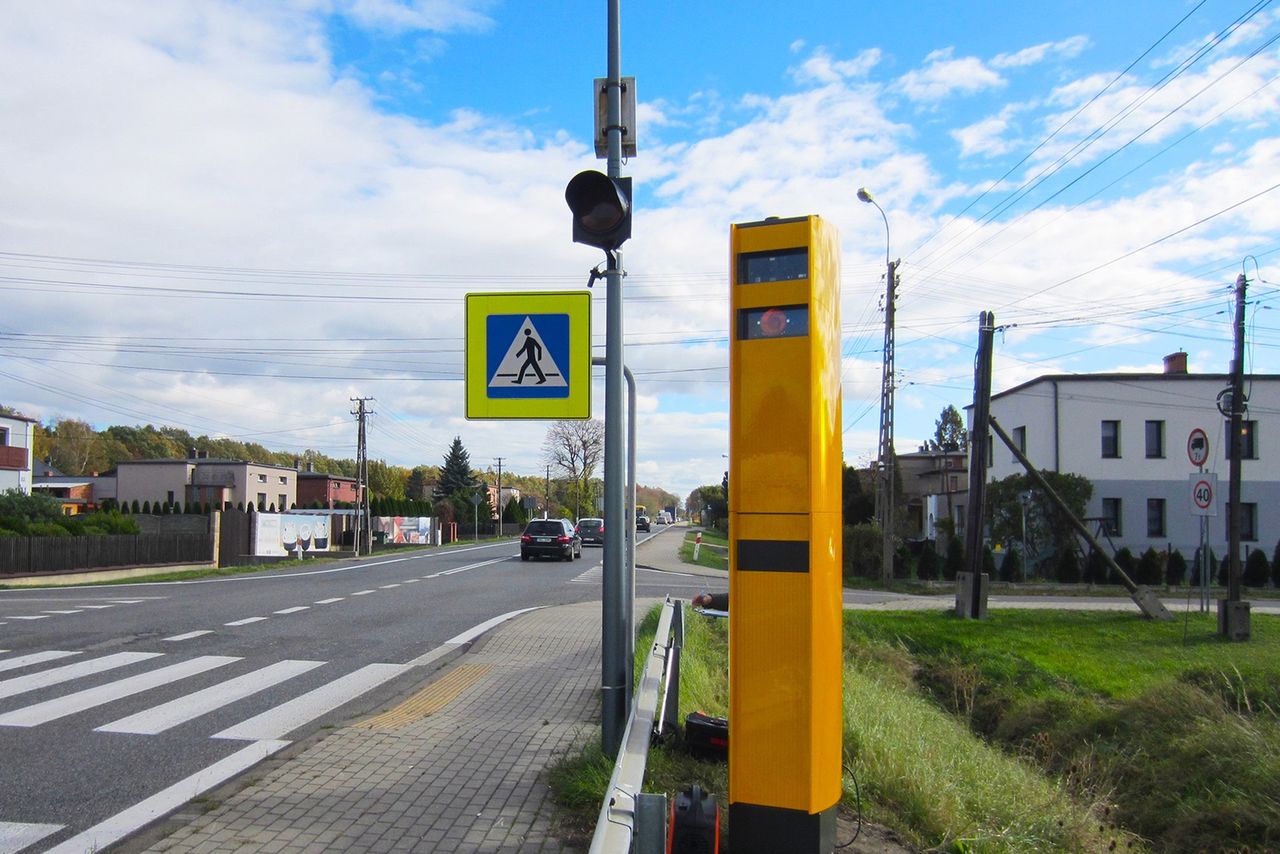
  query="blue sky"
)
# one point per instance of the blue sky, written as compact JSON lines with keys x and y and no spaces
{"x":234,"y":217}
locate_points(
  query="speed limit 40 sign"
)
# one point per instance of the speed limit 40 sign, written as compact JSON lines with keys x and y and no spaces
{"x":1204,"y":494}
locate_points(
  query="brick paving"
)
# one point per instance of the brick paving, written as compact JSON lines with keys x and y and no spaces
{"x":468,"y":777}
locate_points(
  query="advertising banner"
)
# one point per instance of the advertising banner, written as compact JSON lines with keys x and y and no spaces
{"x":406,"y":529}
{"x":289,"y":535}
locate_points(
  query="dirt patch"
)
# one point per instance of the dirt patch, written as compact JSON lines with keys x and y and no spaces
{"x":869,"y":839}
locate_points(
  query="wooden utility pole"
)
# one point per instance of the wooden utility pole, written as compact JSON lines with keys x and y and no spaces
{"x":1233,"y":614}
{"x":363,"y":540}
{"x":971,"y":594}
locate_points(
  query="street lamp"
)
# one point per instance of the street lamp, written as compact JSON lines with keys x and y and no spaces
{"x":884,"y":495}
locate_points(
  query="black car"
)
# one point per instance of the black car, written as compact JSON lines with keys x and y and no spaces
{"x":591,"y":530}
{"x":642,"y":523}
{"x":550,"y":538}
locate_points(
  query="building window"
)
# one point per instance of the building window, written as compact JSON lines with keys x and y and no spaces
{"x":1155,"y":516}
{"x":1020,"y":438}
{"x":1155,"y":440}
{"x":169,"y":499}
{"x":284,"y":479}
{"x":262,"y":501}
{"x":1248,"y":521}
{"x":262,"y":478}
{"x":1248,"y":440}
{"x":1111,"y":517}
{"x":1110,"y":439}
{"x":4,"y":436}
{"x":283,"y":505}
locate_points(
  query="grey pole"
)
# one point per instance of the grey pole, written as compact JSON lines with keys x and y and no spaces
{"x":629,"y":566}
{"x":613,"y":642}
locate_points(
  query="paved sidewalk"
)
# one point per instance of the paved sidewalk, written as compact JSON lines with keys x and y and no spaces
{"x":458,"y":767}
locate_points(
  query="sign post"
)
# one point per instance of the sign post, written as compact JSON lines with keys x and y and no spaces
{"x":1204,"y":492}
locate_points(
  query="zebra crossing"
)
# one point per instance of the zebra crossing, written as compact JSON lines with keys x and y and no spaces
{"x":47,"y":670}
{"x":131,"y":693}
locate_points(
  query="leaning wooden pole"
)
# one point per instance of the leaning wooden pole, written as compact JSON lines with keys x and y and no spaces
{"x":1143,"y":597}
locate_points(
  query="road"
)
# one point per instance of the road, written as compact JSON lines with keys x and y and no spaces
{"x":120,"y":703}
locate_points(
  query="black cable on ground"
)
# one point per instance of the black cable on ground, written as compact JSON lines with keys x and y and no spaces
{"x":857,"y":799}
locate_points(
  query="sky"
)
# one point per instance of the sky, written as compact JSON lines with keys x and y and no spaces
{"x":236,"y":217}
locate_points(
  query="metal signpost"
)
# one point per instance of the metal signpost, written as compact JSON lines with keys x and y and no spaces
{"x":1204,"y":503}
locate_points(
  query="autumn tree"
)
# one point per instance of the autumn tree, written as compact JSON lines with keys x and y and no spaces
{"x":575,"y":449}
{"x":949,"y":433}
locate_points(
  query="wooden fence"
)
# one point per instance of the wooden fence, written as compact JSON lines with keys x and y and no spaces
{"x":30,"y":555}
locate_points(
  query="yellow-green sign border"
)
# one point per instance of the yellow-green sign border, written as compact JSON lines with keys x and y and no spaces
{"x":481,"y":407}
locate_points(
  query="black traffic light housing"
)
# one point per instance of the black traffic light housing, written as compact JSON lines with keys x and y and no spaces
{"x":601,"y":209}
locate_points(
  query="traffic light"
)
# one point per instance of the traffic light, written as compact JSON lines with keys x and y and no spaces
{"x":601,"y":209}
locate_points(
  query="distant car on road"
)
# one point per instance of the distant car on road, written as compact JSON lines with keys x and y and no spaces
{"x":642,"y":523}
{"x":591,"y":530}
{"x":550,"y":538}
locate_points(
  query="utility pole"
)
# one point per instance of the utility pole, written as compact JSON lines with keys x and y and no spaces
{"x":546,"y":498}
{"x":363,"y":536}
{"x":1233,"y":614}
{"x":500,"y":507}
{"x":885,"y":492}
{"x":971,"y":592}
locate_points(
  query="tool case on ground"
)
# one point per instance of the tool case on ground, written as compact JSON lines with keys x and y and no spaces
{"x":706,"y":735}
{"x":694,"y":827}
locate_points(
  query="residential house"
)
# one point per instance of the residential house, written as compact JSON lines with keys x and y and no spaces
{"x":17,"y":438}
{"x":1129,"y":434}
{"x":199,"y":479}
{"x":935,"y":485}
{"x":329,"y":490}
{"x":77,"y":494}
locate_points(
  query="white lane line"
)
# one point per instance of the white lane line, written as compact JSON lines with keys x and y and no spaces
{"x":295,"y":609}
{"x":363,"y":592}
{"x":127,"y":601}
{"x":67,"y":672}
{"x":62,"y":612}
{"x":61,"y":707}
{"x":167,"y":715}
{"x":144,"y":812}
{"x":467,"y":568}
{"x":14,"y":836}
{"x":34,"y":658}
{"x":388,"y":586}
{"x":246,"y":621}
{"x":411,"y":581}
{"x":38,"y":617}
{"x":189,"y":635}
{"x":96,"y":607}
{"x":331,"y":601}
{"x":286,"y":717}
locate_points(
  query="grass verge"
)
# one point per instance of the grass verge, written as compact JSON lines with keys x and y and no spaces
{"x":708,"y":557}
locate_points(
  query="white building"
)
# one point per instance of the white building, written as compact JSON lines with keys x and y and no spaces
{"x":17,"y":435}
{"x":1129,"y":435}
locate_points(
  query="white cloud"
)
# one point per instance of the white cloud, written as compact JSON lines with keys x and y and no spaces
{"x":433,"y":15}
{"x":944,"y":76}
{"x":822,"y":68}
{"x":1065,"y":49}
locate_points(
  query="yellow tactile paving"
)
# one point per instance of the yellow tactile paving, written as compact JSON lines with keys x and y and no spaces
{"x":430,"y":699}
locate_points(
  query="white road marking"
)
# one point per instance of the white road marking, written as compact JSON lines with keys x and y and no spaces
{"x":61,"y":707}
{"x":363,"y":592}
{"x":62,"y":612}
{"x":39,"y":617}
{"x":285,"y":718}
{"x":127,"y":601}
{"x":143,"y":813}
{"x":475,"y":631}
{"x":331,"y":601}
{"x":295,"y":609}
{"x":97,"y":607}
{"x":190,"y":635}
{"x":388,"y":586}
{"x":466,"y":568}
{"x":168,"y":715}
{"x":246,"y":621}
{"x":14,"y":836}
{"x":34,"y":658}
{"x":411,"y":581}
{"x":67,"y":672}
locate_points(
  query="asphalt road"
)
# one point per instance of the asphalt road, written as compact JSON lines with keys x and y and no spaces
{"x":115,"y":700}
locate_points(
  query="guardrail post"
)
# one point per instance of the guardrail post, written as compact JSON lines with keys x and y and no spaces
{"x":650,"y":835}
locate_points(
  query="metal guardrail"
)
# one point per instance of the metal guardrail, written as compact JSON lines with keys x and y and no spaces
{"x":627,"y":813}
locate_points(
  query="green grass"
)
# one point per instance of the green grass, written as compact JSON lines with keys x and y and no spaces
{"x":708,"y":557}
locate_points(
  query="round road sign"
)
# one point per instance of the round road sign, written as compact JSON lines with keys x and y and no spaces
{"x":1198,"y":447}
{"x":1202,"y":494}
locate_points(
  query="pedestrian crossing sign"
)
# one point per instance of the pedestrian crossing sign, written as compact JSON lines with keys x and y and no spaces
{"x":528,"y":355}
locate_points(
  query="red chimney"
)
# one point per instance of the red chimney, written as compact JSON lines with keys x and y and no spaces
{"x":1175,"y":363}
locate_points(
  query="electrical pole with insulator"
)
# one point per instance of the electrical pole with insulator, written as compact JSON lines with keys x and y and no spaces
{"x":1233,"y":613}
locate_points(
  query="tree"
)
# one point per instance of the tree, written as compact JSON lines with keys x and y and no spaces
{"x":955,"y":562}
{"x":575,"y":449}
{"x":1047,"y":526}
{"x":708,"y":501}
{"x":1069,"y":568}
{"x":1127,"y":562}
{"x":1275,"y":566}
{"x":387,"y":481}
{"x":1011,"y":566}
{"x":1149,"y":569}
{"x":421,"y":479}
{"x":74,"y":448}
{"x":927,"y":565}
{"x":455,"y":475}
{"x":1175,"y":570}
{"x":1095,"y":568}
{"x":515,"y":513}
{"x":949,"y":433}
{"x":859,"y":506}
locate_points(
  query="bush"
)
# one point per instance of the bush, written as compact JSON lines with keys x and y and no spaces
{"x":1068,"y":568}
{"x":1149,"y":569}
{"x":1011,"y":566}
{"x":1095,"y":568}
{"x":1275,"y":566}
{"x":1256,"y":569}
{"x":901,"y":562}
{"x":1175,"y":569}
{"x":47,"y":529}
{"x":955,"y":559}
{"x":862,"y":545}
{"x":927,"y":565}
{"x":988,"y":561}
{"x":1127,"y":562}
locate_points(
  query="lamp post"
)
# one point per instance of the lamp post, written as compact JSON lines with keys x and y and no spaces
{"x":884,"y":494}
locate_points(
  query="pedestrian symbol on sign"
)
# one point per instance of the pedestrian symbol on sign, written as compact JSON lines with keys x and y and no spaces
{"x":525,"y":353}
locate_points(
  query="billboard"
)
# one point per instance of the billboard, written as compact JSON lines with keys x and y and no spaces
{"x":289,"y":534}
